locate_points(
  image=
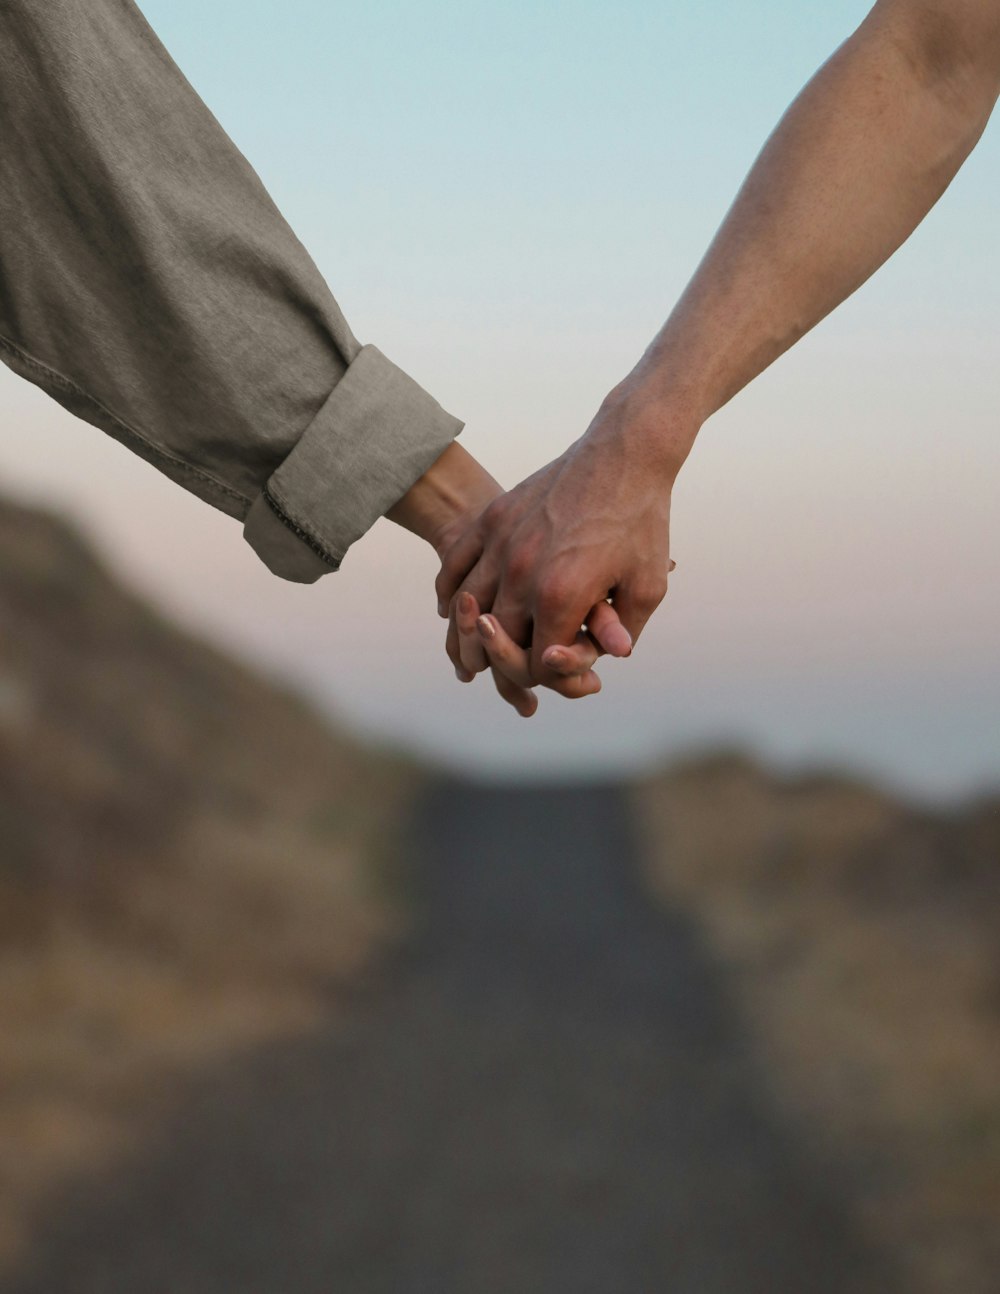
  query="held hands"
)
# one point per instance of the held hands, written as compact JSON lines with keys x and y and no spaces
{"x":440,"y":507}
{"x":567,"y":566}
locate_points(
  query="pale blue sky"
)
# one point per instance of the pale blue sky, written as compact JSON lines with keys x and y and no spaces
{"x":507,"y":199}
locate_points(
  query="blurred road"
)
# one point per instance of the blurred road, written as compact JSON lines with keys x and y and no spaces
{"x":547,"y":1093}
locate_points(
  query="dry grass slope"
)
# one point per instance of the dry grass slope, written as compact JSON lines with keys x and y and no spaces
{"x":188,"y":861}
{"x":863,"y":936}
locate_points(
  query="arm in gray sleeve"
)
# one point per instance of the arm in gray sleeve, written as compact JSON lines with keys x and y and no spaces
{"x":149,"y":284}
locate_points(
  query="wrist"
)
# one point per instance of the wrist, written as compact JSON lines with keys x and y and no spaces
{"x":452,"y":489}
{"x":656,"y":423}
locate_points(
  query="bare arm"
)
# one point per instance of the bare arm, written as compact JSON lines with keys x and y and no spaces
{"x":858,"y":160}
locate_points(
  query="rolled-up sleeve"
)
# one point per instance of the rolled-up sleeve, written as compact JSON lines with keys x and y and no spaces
{"x":150,"y":285}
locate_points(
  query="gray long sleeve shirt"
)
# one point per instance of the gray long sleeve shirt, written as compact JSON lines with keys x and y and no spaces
{"x":149,"y":284}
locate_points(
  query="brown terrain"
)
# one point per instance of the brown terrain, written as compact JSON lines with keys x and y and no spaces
{"x":190,"y":862}
{"x":546,"y":1090}
{"x":252,"y":1036}
{"x":861,"y":935}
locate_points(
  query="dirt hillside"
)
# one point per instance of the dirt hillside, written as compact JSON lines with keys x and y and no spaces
{"x":862,"y":937}
{"x":190,"y":860}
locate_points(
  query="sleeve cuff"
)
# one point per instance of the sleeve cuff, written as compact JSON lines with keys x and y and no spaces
{"x":377,"y":434}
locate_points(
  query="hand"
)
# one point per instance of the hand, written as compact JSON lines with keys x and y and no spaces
{"x":477,"y":642}
{"x":481,"y":642}
{"x":439,"y":507}
{"x":593,"y":525}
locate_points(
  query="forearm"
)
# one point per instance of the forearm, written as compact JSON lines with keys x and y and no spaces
{"x":856,"y":163}
{"x":150,"y":285}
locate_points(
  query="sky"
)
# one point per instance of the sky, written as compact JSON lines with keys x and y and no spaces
{"x":507,"y":200}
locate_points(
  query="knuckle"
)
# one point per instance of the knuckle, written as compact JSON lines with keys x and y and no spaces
{"x":499,"y":655}
{"x":649,"y":594}
{"x":448,"y":577}
{"x":572,"y":689}
{"x":554,"y":592}
{"x":517,"y":565}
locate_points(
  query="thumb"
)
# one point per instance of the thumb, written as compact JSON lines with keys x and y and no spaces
{"x":606,"y":629}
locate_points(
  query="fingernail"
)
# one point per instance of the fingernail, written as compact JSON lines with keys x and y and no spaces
{"x":463,"y":675}
{"x":554,"y":658}
{"x":465,"y":604}
{"x":485,"y":627}
{"x":442,"y":611}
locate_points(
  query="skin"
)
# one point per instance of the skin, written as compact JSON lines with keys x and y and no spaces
{"x":440,"y":507}
{"x":859,"y":159}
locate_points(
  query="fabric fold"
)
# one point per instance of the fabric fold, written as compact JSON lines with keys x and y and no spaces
{"x":376,"y":435}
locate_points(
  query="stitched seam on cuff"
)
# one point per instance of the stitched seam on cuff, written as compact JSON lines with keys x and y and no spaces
{"x":127,"y":433}
{"x":297,"y":530}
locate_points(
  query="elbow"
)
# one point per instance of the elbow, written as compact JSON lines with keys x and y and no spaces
{"x":952,"y":48}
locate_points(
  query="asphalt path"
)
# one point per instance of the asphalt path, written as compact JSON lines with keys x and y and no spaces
{"x":547,"y":1091}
